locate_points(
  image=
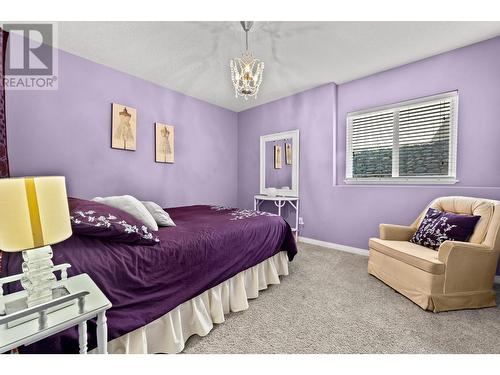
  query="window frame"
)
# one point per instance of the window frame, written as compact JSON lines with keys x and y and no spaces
{"x":450,"y":179}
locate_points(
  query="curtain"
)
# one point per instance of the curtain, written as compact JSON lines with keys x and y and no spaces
{"x":4,"y":160}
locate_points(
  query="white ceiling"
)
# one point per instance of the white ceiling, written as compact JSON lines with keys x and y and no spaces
{"x":193,"y":57}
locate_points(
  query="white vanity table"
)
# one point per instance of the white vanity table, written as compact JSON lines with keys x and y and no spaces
{"x":279,"y":172}
{"x":279,"y":202}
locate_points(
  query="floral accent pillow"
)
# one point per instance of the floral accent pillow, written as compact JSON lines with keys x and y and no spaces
{"x":439,"y":226}
{"x":93,"y":219}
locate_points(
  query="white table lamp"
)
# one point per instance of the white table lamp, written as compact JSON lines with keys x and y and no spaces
{"x":34,"y":214}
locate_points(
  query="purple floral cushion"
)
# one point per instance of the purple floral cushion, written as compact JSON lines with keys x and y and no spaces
{"x":439,"y":226}
{"x":89,"y":218}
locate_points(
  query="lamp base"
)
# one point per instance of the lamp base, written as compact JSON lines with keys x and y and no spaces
{"x":40,"y":284}
{"x":38,"y":277}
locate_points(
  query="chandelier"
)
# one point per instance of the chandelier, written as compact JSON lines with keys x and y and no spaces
{"x":246,"y":71}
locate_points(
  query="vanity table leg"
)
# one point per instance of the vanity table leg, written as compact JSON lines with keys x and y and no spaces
{"x":82,"y":337}
{"x":296,"y":220}
{"x":102,"y":333}
{"x":255,"y":204}
{"x":279,"y":207}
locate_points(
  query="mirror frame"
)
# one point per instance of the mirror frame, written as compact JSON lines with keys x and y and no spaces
{"x":294,"y":136}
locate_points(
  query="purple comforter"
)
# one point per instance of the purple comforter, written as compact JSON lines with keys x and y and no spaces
{"x":209,"y":245}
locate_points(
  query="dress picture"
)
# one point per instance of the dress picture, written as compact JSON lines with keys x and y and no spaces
{"x":288,"y":153}
{"x":277,"y":157}
{"x":123,"y":127}
{"x":164,"y":143}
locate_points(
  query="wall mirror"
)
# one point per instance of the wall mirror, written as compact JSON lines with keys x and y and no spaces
{"x":279,"y":164}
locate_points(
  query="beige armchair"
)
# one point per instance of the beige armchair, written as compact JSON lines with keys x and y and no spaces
{"x":459,"y":275}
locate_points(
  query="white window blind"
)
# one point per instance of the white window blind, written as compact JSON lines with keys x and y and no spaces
{"x":409,"y":142}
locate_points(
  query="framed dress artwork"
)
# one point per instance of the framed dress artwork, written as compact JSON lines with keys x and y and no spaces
{"x":288,"y":153}
{"x":277,"y":157}
{"x":164,"y":143}
{"x":123,"y":127}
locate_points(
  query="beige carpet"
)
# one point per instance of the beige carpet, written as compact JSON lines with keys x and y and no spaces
{"x":329,"y":304}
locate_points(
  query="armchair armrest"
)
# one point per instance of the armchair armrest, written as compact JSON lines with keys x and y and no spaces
{"x":396,"y":232}
{"x":463,"y":249}
{"x":469,"y":266}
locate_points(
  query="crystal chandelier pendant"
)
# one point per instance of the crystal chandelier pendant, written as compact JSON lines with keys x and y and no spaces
{"x":246,"y":71}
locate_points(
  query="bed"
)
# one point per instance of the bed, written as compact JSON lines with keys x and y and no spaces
{"x":208,"y":265}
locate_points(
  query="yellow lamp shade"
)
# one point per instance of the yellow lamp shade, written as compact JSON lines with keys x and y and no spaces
{"x":33,"y":212}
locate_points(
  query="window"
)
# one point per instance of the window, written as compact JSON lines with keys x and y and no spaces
{"x":409,"y":142}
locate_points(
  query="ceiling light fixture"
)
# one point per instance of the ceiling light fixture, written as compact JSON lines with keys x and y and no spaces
{"x":246,"y":72}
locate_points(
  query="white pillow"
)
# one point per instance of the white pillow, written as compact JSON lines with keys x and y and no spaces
{"x":159,"y":214}
{"x":132,"y":206}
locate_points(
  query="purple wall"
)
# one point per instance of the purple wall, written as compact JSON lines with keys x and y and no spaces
{"x":67,"y":132}
{"x":313,"y":112}
{"x":347,"y":214}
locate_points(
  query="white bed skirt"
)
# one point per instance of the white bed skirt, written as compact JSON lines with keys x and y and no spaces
{"x":198,"y":315}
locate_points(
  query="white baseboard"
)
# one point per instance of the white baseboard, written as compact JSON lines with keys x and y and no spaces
{"x":335,"y":246}
{"x":348,"y":249}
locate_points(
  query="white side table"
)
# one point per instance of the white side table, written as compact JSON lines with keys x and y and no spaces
{"x":279,"y":202}
{"x":93,"y":303}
